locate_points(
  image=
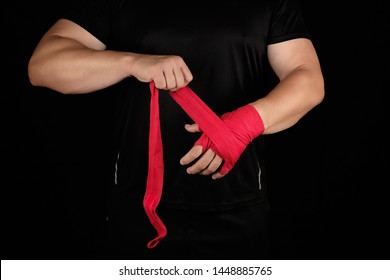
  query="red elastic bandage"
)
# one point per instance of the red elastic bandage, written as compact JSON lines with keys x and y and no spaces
{"x":155,"y":179}
{"x":243,"y":125}
{"x":227,"y":136}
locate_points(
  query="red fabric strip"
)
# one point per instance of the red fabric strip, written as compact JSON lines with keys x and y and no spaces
{"x":155,"y":179}
{"x":227,"y":136}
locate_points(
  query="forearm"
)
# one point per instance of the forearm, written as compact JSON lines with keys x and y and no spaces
{"x":69,"y":67}
{"x":291,"y":99}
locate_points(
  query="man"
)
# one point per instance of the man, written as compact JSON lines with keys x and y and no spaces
{"x":221,"y":56}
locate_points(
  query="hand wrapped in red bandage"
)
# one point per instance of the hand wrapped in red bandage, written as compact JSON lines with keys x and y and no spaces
{"x":221,"y":148}
{"x":227,"y":137}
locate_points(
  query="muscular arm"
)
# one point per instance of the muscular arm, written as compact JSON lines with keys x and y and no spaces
{"x":69,"y":60}
{"x":301,"y":85}
{"x":300,"y":89}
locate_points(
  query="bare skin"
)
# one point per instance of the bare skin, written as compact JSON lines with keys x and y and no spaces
{"x":70,"y":60}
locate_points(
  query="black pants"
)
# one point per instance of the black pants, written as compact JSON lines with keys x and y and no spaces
{"x":241,"y":233}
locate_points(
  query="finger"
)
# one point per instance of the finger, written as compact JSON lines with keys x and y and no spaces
{"x":179,"y":78}
{"x":202,"y":163}
{"x":187,"y":75}
{"x":217,"y":176}
{"x":213,"y":166}
{"x":192,"y":154}
{"x":192,"y":127}
{"x":159,"y":81}
{"x":170,"y":79}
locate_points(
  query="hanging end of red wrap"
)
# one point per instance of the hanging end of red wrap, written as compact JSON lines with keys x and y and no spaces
{"x":153,"y":243}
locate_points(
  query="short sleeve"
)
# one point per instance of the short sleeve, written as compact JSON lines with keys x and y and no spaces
{"x":287,"y":22}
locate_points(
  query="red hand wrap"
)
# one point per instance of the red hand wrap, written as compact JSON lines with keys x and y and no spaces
{"x":226,"y":136}
{"x":244,"y":125}
{"x":154,"y":182}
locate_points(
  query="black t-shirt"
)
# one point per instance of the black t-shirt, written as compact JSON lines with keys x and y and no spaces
{"x":225,"y":48}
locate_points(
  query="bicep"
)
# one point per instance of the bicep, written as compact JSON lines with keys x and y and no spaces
{"x":287,"y":56}
{"x":67,"y":29}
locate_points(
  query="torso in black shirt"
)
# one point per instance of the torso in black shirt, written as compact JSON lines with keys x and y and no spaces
{"x":225,"y":47}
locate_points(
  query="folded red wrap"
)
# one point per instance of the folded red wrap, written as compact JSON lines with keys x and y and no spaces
{"x":227,"y":136}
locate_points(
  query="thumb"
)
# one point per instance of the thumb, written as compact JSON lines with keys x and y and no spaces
{"x":192,"y":128}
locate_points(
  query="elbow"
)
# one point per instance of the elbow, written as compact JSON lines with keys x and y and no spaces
{"x":38,"y":77}
{"x":319,"y":92}
{"x":316,"y":90}
{"x":312,"y":80}
{"x":32,"y":72}
{"x":36,"y":74}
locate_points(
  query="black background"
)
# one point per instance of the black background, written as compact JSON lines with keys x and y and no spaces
{"x":327,"y":174}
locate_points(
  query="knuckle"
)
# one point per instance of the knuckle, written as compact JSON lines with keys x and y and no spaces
{"x":210,"y":169}
{"x":174,"y":59}
{"x":202,"y":165}
{"x":177,"y":59}
{"x":194,"y":153}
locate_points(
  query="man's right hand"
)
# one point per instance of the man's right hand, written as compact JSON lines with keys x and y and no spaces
{"x":168,"y":72}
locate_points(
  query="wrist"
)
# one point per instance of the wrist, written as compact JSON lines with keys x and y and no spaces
{"x":246,"y":122}
{"x":128,"y":61}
